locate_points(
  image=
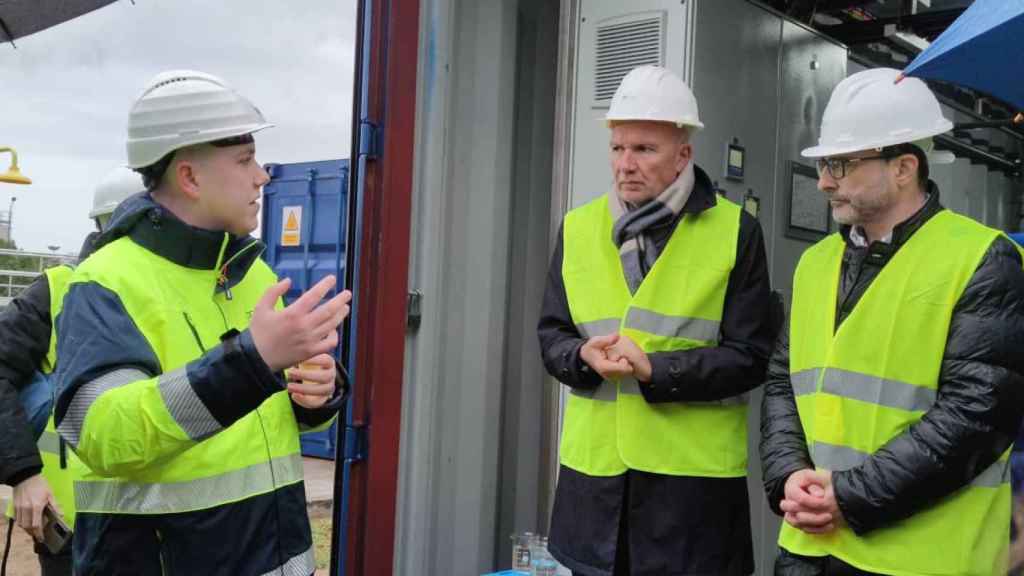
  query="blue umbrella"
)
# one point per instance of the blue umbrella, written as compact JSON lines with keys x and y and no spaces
{"x":982,"y":50}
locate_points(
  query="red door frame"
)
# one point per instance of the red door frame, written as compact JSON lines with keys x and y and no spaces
{"x":383,"y":283}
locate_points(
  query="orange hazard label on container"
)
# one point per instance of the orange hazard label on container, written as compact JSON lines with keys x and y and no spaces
{"x":291,"y":234}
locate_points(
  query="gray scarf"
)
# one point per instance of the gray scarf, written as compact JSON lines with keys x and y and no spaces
{"x":632,"y":225}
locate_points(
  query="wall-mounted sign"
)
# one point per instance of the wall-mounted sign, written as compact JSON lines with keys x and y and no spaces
{"x":291,"y":232}
{"x":752,"y":204}
{"x":735,"y":160}
{"x":810,"y":217}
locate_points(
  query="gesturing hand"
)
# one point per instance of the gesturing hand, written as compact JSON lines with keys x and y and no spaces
{"x":300,"y":331}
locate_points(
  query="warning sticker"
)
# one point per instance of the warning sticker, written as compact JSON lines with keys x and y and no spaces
{"x":291,"y":234}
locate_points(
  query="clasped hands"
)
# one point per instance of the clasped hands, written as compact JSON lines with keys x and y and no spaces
{"x":616,"y":356}
{"x":810,"y":503}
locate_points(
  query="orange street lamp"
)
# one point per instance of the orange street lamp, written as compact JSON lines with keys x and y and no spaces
{"x":13,"y":175}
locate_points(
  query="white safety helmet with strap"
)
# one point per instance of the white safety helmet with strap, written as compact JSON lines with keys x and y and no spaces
{"x":118,"y":184}
{"x":654,"y":93}
{"x":183,"y":107}
{"x":870,"y":110}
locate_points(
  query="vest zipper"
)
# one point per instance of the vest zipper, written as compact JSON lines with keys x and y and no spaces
{"x":195,"y":333}
{"x":222,"y":278}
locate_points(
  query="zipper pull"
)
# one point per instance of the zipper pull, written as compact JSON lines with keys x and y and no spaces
{"x":222,"y":280}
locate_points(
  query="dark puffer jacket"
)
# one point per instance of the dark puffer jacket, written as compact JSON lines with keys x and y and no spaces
{"x":25,"y":330}
{"x":976,"y":415}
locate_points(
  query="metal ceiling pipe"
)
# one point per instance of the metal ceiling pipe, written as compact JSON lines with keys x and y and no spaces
{"x":962,"y":148}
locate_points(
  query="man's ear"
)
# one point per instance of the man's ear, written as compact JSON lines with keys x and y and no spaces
{"x":185,"y":176}
{"x":684,"y":156}
{"x":906,"y":169}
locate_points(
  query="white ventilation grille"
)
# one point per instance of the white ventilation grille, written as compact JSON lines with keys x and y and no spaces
{"x":623,"y":46}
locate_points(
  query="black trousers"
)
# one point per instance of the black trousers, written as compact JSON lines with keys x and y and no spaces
{"x":51,"y":564}
{"x":789,"y":564}
{"x":622,"y":567}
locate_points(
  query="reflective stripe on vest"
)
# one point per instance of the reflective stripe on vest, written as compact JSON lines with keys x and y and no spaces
{"x":866,"y":388}
{"x":656,"y":323}
{"x":832,"y":457}
{"x":612,"y":428}
{"x":123,"y":497}
{"x":49,"y":442}
{"x":866,"y":382}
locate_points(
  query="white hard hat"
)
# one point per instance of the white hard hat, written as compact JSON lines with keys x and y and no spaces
{"x":117,"y":185}
{"x":654,"y":93}
{"x":869,"y":110}
{"x":183,"y":107}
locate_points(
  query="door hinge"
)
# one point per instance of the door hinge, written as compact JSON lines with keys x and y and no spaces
{"x":355,"y":443}
{"x":413,"y":310}
{"x":369,"y":140}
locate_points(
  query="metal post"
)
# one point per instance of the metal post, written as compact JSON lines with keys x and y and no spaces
{"x":10,"y":220}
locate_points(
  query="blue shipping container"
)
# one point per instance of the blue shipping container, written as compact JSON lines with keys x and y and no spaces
{"x":305,"y":212}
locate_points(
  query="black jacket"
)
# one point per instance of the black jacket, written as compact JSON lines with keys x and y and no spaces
{"x":976,"y":415}
{"x":675,"y":524}
{"x":25,"y":329}
{"x":24,"y":341}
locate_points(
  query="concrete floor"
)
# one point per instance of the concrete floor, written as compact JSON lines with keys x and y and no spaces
{"x":319,"y":476}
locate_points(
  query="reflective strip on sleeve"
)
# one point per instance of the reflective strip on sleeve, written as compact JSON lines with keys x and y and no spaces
{"x":186,"y":407}
{"x":71,"y":426}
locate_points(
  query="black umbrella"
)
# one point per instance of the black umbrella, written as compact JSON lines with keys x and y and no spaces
{"x":20,"y":18}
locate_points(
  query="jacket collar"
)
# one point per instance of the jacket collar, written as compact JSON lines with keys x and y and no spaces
{"x":904,"y":230}
{"x":156,"y":229}
{"x":703,"y":196}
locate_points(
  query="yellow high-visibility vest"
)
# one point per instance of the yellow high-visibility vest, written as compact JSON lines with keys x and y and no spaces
{"x":862,"y":384}
{"x":677,"y":307}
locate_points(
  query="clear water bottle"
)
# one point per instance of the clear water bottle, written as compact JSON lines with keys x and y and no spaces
{"x":541,"y":561}
{"x":521,"y":549}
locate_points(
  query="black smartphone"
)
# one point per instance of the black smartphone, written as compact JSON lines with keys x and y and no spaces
{"x":56,"y":532}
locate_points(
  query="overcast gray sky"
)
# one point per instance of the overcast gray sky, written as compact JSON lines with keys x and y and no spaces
{"x":67,"y":91}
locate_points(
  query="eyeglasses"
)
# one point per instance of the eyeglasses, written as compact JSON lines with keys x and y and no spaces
{"x":838,"y":168}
